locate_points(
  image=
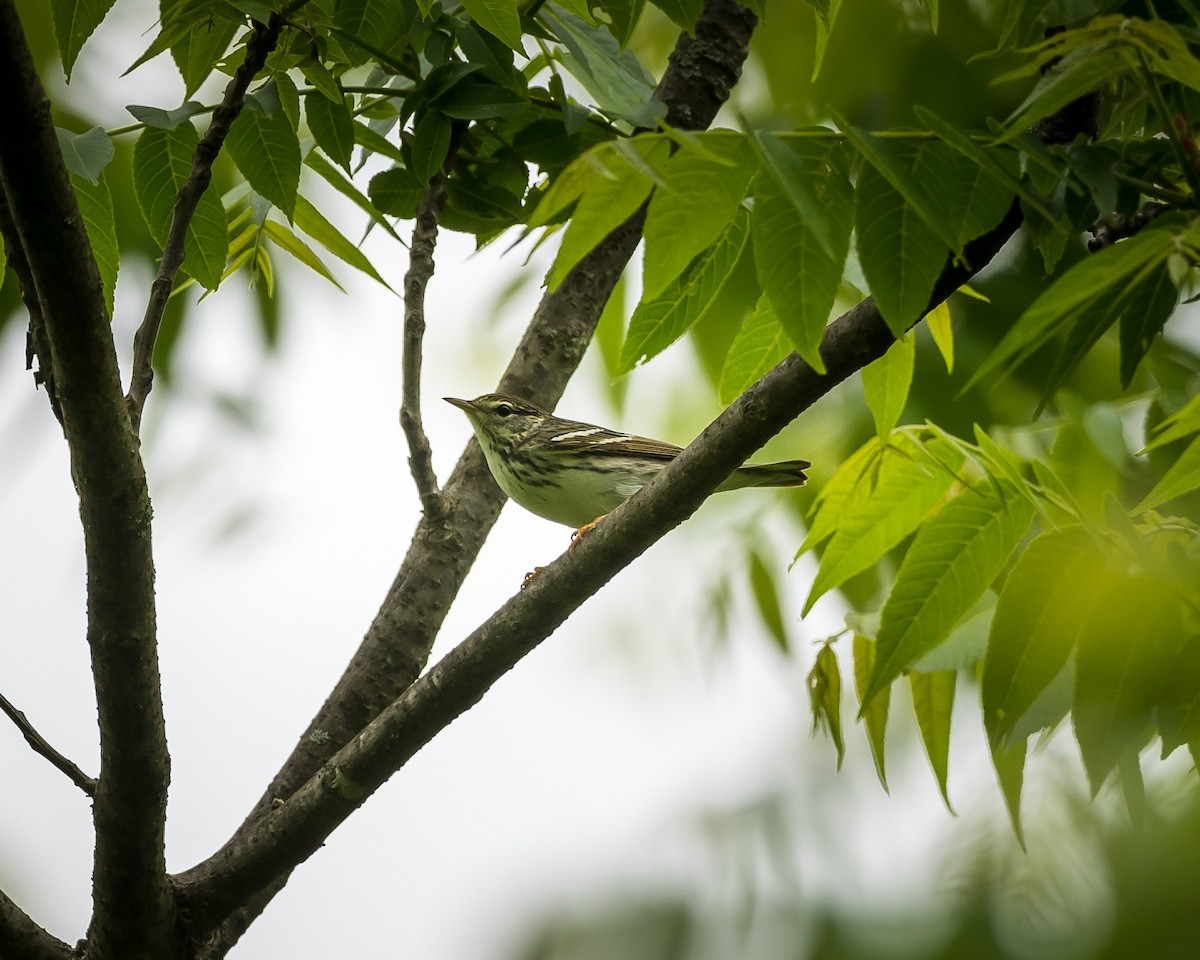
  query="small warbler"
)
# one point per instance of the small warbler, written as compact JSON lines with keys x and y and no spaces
{"x":573,"y":473}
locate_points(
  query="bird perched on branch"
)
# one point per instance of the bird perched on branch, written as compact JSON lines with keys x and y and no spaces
{"x":574,"y":473}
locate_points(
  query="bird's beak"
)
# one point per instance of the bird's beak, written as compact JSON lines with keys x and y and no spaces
{"x":465,"y":405}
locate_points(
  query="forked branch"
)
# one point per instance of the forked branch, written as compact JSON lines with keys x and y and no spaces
{"x":42,"y":747}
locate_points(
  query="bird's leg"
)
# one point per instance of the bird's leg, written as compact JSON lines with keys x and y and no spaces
{"x":578,"y":535}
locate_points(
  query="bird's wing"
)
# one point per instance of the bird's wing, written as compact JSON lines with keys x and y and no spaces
{"x":602,"y":441}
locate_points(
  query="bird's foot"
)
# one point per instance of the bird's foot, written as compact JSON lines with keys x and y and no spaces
{"x":578,"y":535}
{"x":531,"y":576}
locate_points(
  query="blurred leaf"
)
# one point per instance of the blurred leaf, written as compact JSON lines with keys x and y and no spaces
{"x":1009,"y":762}
{"x":96,"y":208}
{"x":697,"y":200}
{"x":933,"y":703}
{"x":766,"y":599}
{"x":625,"y":15}
{"x":1182,"y":477}
{"x":263,"y":144}
{"x":873,"y":712}
{"x":825,"y":697}
{"x":1129,"y":633}
{"x":1077,"y":74}
{"x":967,"y":643}
{"x":299,"y":249}
{"x":86,"y":154}
{"x":886,"y":382}
{"x":1151,"y":300}
{"x":658,"y":323}
{"x":941,"y":328}
{"x":1178,"y":709}
{"x":953,"y":559}
{"x":1182,"y":423}
{"x":74,"y":22}
{"x":759,"y":346}
{"x":1039,"y":614}
{"x":332,"y":126}
{"x":476,"y":98}
{"x":162,"y":162}
{"x":878,"y":514}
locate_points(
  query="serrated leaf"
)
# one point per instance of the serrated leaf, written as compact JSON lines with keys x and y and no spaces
{"x":699,"y":196}
{"x":431,"y":143}
{"x":933,"y":704}
{"x":371,"y":140}
{"x":909,"y":482}
{"x":1129,"y":634}
{"x":86,"y":154}
{"x":375,"y":21}
{"x":953,"y":559}
{"x":873,"y":713}
{"x":332,"y":126}
{"x":941,"y":328}
{"x":288,"y":241}
{"x":967,"y":643}
{"x":96,"y":208}
{"x":766,"y":599}
{"x":798,"y":275}
{"x":198,"y":50}
{"x":162,"y":162}
{"x":658,"y":323}
{"x":347,"y":189}
{"x":798,"y":168}
{"x":833,"y":496}
{"x":499,"y":18}
{"x":75,"y":21}
{"x":761,"y":343}
{"x":886,"y":382}
{"x":1009,"y":763}
{"x":309,"y":219}
{"x":1039,"y":614}
{"x":1182,"y":477}
{"x":1085,"y":289}
{"x":609,"y":201}
{"x":825,"y":697}
{"x":265,"y":148}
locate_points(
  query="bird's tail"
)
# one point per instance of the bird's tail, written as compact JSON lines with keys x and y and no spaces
{"x":786,"y":473}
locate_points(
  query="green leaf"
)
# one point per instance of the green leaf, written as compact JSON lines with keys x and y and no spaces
{"x":933,"y":703}
{"x":499,"y":18}
{"x":476,"y":98}
{"x":911,"y":479}
{"x":766,"y":599}
{"x":1040,"y":612}
{"x":1077,"y":74}
{"x":1182,"y":423}
{"x":616,"y":78}
{"x":265,"y":148}
{"x":375,"y":21}
{"x":96,"y":207}
{"x":162,"y":162}
{"x":827,"y":11}
{"x":886,"y":382}
{"x":310,"y":220}
{"x":953,"y":559}
{"x":825,"y":697}
{"x":658,"y":323}
{"x":901,"y":256}
{"x":1130,"y":632}
{"x":896,"y":162}
{"x":834,"y":495}
{"x":332,"y":126}
{"x":1009,"y":762}
{"x":431,"y":143}
{"x":347,"y":189}
{"x":941,"y":328}
{"x":1178,"y":707}
{"x":198,"y":50}
{"x":682,"y":12}
{"x":74,"y":22}
{"x":1182,"y":477}
{"x":874,"y":712}
{"x":700,"y":194}
{"x":798,"y":275}
{"x":86,"y":154}
{"x":609,"y":200}
{"x":299,"y":249}
{"x":801,"y":169}
{"x":375,"y":142}
{"x":760,"y":344}
{"x":322,"y":80}
{"x":168,"y":119}
{"x":967,"y":643}
{"x":1151,"y":300}
{"x":1091,"y":287}
{"x":624,"y":16}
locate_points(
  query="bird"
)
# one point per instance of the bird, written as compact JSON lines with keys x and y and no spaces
{"x":574,"y":473}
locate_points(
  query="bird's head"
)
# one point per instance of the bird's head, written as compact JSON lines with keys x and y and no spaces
{"x":501,"y":422}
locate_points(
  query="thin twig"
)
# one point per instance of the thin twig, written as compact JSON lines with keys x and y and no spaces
{"x":420,"y":271}
{"x":38,"y":743}
{"x":258,"y":48}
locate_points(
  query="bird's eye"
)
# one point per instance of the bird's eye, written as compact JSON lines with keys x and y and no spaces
{"x":503,"y":409}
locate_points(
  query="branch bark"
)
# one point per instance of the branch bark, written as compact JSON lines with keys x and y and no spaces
{"x":276,"y":843}
{"x":42,"y":748}
{"x":141,"y":379}
{"x":133,"y":909}
{"x":21,"y":938}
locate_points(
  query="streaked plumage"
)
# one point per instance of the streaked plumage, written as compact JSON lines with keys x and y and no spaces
{"x":572,"y":472}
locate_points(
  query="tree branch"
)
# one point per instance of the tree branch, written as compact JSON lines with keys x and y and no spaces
{"x":141,"y":379}
{"x":42,"y":747}
{"x":21,"y":938}
{"x":278,"y":842}
{"x":420,"y":272}
{"x":134,"y":912}
{"x":396,"y":647}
